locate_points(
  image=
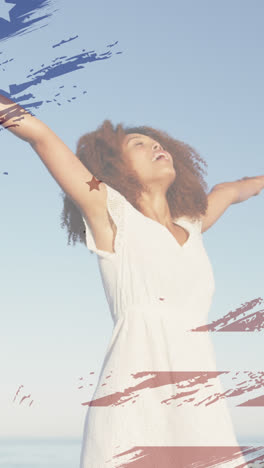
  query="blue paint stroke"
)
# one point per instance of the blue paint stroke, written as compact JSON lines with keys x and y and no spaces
{"x":55,"y":70}
{"x":112,"y":45}
{"x":59,"y":68}
{"x":6,"y":61}
{"x":20,"y":22}
{"x":64,"y":41}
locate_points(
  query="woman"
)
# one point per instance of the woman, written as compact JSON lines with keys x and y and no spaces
{"x":136,"y":197}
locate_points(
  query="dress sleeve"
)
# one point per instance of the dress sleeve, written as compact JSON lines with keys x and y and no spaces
{"x":116,"y":208}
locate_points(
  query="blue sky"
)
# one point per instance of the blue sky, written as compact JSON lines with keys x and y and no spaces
{"x":193,"y":69}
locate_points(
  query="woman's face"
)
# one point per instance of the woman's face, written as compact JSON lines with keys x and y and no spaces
{"x":141,"y":151}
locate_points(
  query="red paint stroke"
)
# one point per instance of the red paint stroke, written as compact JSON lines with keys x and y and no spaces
{"x":18,"y":391}
{"x":187,"y":388}
{"x":258,"y":401}
{"x":254,"y":382}
{"x":190,"y":457}
{"x":24,"y":397}
{"x":238,"y":320}
{"x":90,"y":384}
{"x":156,"y":380}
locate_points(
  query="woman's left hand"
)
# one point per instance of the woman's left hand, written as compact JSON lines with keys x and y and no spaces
{"x":248,"y":187}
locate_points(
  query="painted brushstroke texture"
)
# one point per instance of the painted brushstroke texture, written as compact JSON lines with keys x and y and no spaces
{"x":189,"y":457}
{"x":21,"y":17}
{"x":57,"y":68}
{"x":5,"y":62}
{"x":244,"y":388}
{"x":247,"y":389}
{"x":65,"y":41}
{"x":24,"y":397}
{"x":241,"y":319}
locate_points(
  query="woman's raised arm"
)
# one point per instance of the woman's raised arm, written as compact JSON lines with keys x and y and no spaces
{"x":62,"y":163}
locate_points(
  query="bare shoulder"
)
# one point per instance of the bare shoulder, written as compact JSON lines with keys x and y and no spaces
{"x":94,"y":204}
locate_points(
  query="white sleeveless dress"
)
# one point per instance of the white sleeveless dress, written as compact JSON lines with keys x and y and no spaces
{"x":157,"y":291}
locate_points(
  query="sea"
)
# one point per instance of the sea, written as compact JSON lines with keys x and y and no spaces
{"x":53,"y":452}
{"x":40,"y":452}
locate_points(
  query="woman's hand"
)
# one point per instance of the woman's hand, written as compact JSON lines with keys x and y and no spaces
{"x":248,"y":187}
{"x":11,"y":113}
{"x":242,"y":189}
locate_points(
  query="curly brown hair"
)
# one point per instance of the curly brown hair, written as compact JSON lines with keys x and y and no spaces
{"x":100,"y":152}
